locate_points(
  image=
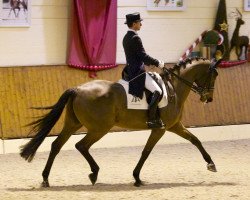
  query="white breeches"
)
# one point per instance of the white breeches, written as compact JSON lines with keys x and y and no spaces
{"x":151,"y":85}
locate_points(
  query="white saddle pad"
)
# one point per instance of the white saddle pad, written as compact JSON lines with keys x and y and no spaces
{"x":141,"y":104}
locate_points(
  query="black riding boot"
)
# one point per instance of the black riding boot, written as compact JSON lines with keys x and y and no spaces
{"x":154,"y":121}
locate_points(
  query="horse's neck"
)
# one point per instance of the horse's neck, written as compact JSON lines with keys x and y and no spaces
{"x":183,"y":90}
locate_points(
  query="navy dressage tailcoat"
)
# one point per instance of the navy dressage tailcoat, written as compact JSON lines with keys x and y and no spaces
{"x":136,"y":57}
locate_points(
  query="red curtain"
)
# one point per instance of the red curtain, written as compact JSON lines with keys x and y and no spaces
{"x":93,"y":31}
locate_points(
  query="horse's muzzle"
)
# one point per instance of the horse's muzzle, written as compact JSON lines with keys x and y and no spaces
{"x":210,"y":99}
{"x":206,"y":99}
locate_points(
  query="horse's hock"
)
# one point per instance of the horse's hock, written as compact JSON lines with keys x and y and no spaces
{"x":24,"y":87}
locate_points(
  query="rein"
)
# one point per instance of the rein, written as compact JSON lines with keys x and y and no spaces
{"x":196,"y":89}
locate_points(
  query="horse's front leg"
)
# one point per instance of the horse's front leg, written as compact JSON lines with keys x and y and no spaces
{"x":180,"y":130}
{"x":155,"y":136}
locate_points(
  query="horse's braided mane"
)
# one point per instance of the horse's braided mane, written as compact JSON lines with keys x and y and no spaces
{"x":183,"y":63}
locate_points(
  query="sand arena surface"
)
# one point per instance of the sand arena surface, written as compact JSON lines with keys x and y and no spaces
{"x":172,"y":171}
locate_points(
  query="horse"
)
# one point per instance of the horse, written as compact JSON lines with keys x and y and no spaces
{"x":15,"y":4}
{"x":99,"y":105}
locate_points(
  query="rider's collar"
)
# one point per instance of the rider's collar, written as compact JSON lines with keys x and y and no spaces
{"x":132,"y":30}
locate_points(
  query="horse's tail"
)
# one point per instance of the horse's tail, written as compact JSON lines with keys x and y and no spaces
{"x":43,"y":126}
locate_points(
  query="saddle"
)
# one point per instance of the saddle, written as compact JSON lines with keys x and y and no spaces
{"x":136,"y":103}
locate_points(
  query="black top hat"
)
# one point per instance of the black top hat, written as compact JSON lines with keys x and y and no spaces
{"x":134,"y":17}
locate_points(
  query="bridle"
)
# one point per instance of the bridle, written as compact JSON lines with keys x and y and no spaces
{"x":201,"y":90}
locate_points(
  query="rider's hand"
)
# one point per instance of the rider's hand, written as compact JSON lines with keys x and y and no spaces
{"x":161,"y":64}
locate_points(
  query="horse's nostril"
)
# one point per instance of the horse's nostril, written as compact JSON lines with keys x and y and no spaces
{"x":210,"y":99}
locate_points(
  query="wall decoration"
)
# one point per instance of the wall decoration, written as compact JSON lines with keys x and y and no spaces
{"x":247,"y":5}
{"x":89,"y":49}
{"x":15,"y":13}
{"x":221,"y":25}
{"x":240,"y":43}
{"x":166,"y":5}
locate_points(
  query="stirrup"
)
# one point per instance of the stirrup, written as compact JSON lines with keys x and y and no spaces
{"x":155,"y":124}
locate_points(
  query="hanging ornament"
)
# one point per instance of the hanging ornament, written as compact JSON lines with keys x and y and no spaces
{"x":224,"y":26}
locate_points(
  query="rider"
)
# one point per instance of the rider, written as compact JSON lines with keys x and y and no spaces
{"x":134,"y":70}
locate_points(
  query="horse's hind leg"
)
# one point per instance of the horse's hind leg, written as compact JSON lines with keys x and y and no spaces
{"x":71,"y":125}
{"x":155,"y":136}
{"x":84,"y":145}
{"x":180,"y":130}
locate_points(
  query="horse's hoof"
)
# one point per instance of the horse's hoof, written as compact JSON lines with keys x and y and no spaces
{"x":211,"y":167}
{"x":93,"y":178}
{"x":45,"y":184}
{"x":138,"y":184}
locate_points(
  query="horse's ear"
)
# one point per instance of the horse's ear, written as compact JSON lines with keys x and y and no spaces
{"x":215,"y":63}
{"x":218,"y":62}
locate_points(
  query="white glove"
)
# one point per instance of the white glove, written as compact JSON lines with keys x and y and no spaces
{"x":161,"y":64}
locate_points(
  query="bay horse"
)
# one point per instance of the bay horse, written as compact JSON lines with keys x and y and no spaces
{"x":99,"y":105}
